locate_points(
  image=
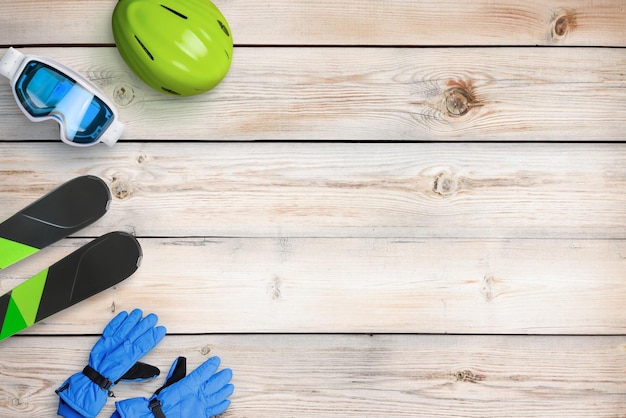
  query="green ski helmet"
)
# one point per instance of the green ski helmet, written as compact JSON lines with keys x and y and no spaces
{"x":181,"y":47}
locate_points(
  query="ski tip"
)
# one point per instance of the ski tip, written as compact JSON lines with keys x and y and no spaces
{"x":69,"y":207}
{"x":125,"y":241}
{"x":72,"y":205}
{"x":95,"y":183}
{"x":87,"y":188}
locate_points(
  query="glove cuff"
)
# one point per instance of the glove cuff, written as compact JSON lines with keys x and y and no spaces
{"x":82,"y":395}
{"x":67,"y":411}
{"x":133,"y":408}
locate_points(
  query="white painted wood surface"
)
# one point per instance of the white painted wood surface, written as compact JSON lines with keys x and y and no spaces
{"x":370,"y":178}
{"x":460,"y":190}
{"x":349,"y":22}
{"x":363,"y":285}
{"x":286,"y":375}
{"x":359,"y":94}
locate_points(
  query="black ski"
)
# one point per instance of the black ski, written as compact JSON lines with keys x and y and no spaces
{"x":63,"y":211}
{"x":94,"y":267}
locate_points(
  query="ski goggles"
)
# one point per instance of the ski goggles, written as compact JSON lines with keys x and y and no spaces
{"x":45,"y":89}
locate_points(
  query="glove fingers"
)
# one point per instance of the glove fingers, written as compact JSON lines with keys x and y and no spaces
{"x":192,"y":385}
{"x":146,"y":342}
{"x":113,"y":333}
{"x":203,"y":372}
{"x":218,"y":409}
{"x":217,"y":382}
{"x":141,"y":326}
{"x":127,"y":325}
{"x":114,"y":324}
{"x":220,"y":395}
{"x":125,"y":355}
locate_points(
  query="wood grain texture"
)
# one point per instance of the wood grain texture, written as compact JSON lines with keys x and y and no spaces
{"x":366,"y":94}
{"x":362,"y":94}
{"x":348,"y":22}
{"x":356,"y":375}
{"x":371,"y":285}
{"x":571,"y":191}
{"x":388,"y":208}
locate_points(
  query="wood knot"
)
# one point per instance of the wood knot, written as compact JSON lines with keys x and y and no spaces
{"x":468,"y":376}
{"x":120,"y":188}
{"x":458,"y":101}
{"x":123,"y":95}
{"x":492,"y":287}
{"x":487,"y":287}
{"x":460,"y":97}
{"x":273,"y":288}
{"x":562,"y":24}
{"x":445,"y":184}
{"x":205,"y":350}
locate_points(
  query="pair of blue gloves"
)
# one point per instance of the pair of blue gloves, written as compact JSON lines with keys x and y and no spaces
{"x":114,"y":358}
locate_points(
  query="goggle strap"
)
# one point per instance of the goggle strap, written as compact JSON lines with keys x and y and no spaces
{"x":10,"y":62}
{"x":113,"y":133}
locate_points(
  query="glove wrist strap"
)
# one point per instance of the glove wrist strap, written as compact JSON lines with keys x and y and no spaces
{"x":155,"y":407}
{"x":98,"y":379}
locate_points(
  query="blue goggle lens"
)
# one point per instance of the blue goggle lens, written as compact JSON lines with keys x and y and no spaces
{"x":45,"y":91}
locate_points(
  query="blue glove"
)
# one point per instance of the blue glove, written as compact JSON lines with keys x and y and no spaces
{"x":201,"y":394}
{"x":124,"y":340}
{"x":138,"y":373}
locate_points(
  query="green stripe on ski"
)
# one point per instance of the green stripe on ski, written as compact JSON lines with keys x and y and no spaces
{"x":23,"y":305}
{"x":13,"y":321}
{"x":28,"y":295}
{"x":11,"y":251}
{"x":89,"y":270}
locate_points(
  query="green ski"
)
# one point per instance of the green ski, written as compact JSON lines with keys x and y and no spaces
{"x":63,"y":211}
{"x":94,"y":267}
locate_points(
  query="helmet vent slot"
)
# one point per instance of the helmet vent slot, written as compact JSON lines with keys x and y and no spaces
{"x":144,"y":48}
{"x":174,"y":11}
{"x":224,"y":28}
{"x":170,"y":91}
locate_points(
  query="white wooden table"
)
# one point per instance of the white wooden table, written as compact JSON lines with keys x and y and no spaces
{"x":388,"y":208}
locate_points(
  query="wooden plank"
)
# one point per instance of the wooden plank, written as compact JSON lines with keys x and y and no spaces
{"x":573,"y":191}
{"x":356,"y":375}
{"x":347,"y":22}
{"x":399,"y":94}
{"x":361,"y":285}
